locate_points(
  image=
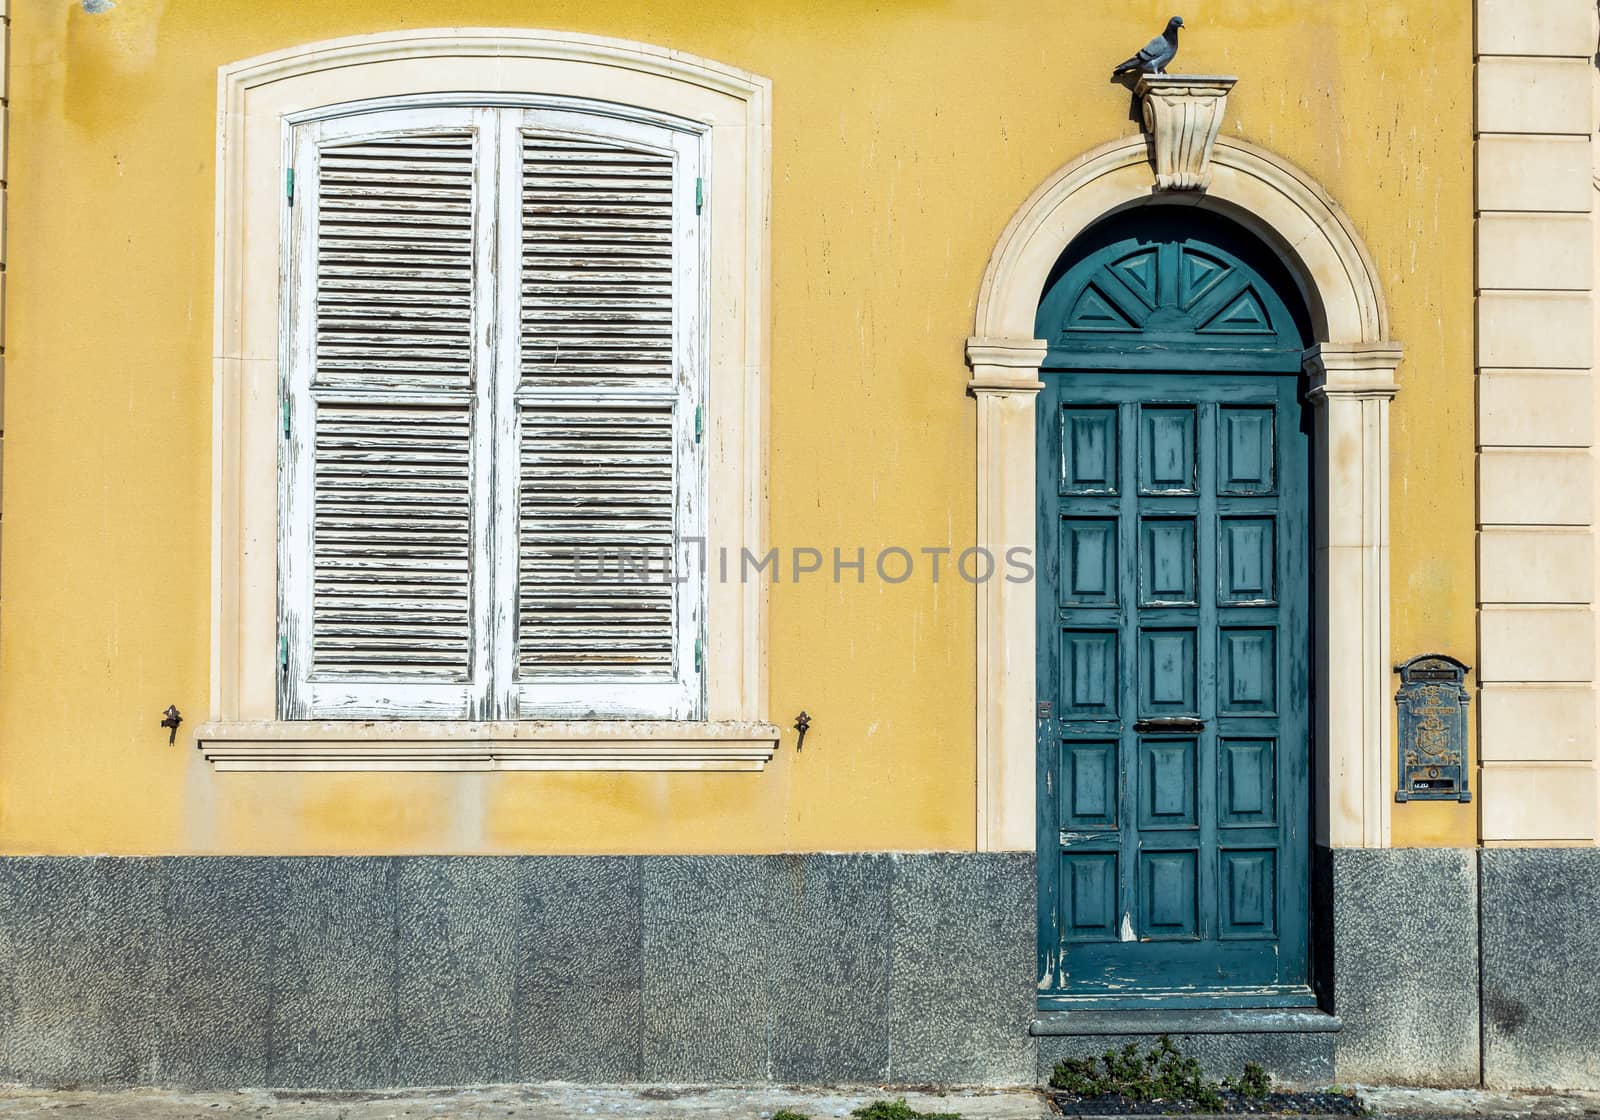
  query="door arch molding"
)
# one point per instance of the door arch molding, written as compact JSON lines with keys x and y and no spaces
{"x":1351,"y":368}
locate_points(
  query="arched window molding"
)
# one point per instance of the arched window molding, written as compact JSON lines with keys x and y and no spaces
{"x":1352,"y":371}
{"x":258,"y":99}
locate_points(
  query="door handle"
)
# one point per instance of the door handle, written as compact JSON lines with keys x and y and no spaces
{"x":1170,"y":724}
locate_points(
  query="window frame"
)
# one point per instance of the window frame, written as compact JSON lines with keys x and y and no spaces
{"x":259,"y":100}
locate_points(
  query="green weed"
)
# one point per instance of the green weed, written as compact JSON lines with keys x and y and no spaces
{"x":1161,"y":1074}
{"x":898,"y":1110}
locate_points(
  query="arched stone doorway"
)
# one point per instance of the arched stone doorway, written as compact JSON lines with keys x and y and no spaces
{"x":1351,"y":377}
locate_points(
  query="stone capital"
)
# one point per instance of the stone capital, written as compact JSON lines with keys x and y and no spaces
{"x":1359,"y":370}
{"x":1005,"y":365}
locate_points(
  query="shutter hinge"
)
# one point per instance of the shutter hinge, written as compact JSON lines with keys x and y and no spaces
{"x":286,"y":419}
{"x":283,"y":654}
{"x":699,"y":194}
{"x":697,"y":656}
{"x":288,"y":184}
{"x":699,"y":422}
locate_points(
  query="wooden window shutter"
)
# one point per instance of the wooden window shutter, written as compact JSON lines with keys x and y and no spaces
{"x":385,"y":551}
{"x":609,"y":503}
{"x":493,"y":483}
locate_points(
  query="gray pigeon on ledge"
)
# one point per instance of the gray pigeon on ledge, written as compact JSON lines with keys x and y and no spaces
{"x":1154,"y":56}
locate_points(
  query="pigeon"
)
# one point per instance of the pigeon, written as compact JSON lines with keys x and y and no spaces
{"x":1154,"y":56}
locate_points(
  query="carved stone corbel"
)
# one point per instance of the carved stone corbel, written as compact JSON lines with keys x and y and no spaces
{"x":1183,"y":114}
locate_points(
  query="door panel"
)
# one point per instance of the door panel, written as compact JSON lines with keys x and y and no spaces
{"x":1173,"y":732}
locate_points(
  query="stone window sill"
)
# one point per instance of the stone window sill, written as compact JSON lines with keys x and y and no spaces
{"x":354,"y":745}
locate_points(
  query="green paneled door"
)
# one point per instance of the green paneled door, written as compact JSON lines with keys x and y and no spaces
{"x":1174,"y":668}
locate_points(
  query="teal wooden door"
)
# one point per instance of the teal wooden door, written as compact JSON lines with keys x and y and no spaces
{"x":1174,"y":666}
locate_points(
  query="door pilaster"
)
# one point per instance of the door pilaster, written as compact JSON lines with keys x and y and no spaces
{"x":1350,"y":389}
{"x":1005,"y":382}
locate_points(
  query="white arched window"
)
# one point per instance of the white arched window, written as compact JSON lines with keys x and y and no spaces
{"x":498,"y":340}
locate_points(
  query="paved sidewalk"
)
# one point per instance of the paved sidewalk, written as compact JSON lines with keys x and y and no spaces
{"x":575,"y":1102}
{"x":1415,"y":1103}
{"x":520,"y":1102}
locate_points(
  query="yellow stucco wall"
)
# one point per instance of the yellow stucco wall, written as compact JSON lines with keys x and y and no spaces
{"x":906,"y":134}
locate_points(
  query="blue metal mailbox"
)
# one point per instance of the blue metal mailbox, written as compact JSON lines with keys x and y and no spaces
{"x":1433,"y":729}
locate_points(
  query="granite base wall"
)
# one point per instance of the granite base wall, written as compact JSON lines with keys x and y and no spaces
{"x":1541,"y":968}
{"x":378,"y":972}
{"x":1463,"y":967}
{"x":889,"y":968}
{"x":1397,"y":949}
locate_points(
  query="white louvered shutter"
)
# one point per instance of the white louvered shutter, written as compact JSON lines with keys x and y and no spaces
{"x":609,"y":503}
{"x":385,"y":554}
{"x":492,"y":488}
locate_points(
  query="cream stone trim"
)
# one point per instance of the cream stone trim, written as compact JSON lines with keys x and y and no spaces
{"x":1538,"y":28}
{"x":1538,"y":801}
{"x":1548,"y":96}
{"x":1005,"y":382}
{"x":1544,"y":722}
{"x":1528,"y":564}
{"x":1276,"y":201}
{"x":276,"y":746}
{"x":1351,"y":387}
{"x":1355,"y":366}
{"x":5,"y":179}
{"x":1536,"y":330}
{"x":256,"y":96}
